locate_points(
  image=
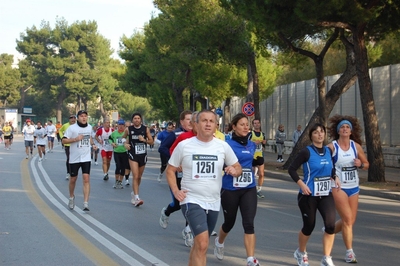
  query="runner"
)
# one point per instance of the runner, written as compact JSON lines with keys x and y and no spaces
{"x":7,"y":135}
{"x":239,"y":192}
{"x":164,"y":148}
{"x":28,"y":132}
{"x":40,"y":140}
{"x":128,"y":168}
{"x":258,"y":137}
{"x":79,"y":137}
{"x":315,"y":194}
{"x":120,"y":155}
{"x":94,"y":153}
{"x":138,"y":137}
{"x":51,"y":135}
{"x":58,"y":126}
{"x":102,"y":136}
{"x":72,"y":120}
{"x":174,"y":205}
{"x":153,"y":133}
{"x":201,"y":158}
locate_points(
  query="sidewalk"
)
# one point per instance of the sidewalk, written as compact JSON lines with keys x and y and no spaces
{"x":389,"y":190}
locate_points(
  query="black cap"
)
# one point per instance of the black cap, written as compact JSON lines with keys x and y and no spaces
{"x":81,"y":112}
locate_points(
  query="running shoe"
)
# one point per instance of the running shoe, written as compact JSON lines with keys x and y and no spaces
{"x":67,"y":177}
{"x":159,"y":178}
{"x":327,"y":261}
{"x":350,"y":257}
{"x":213,"y":233}
{"x":126,"y":182}
{"x":163,"y":219}
{"x":105,"y":177}
{"x":27,"y":157}
{"x":136,"y":202}
{"x":40,"y":160}
{"x":219,"y":250}
{"x":253,"y":262}
{"x":86,"y":206}
{"x":96,"y":163}
{"x":115,"y":184}
{"x":120,"y":186}
{"x":260,"y":195}
{"x":301,"y":257}
{"x":71,"y":203}
{"x":188,"y":238}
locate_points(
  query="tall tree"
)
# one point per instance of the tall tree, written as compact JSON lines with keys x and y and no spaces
{"x":10,"y":82}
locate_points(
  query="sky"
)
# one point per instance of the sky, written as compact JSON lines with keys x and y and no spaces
{"x":114,"y":17}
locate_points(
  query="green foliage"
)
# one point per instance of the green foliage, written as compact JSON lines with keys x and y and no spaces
{"x":10,"y":82}
{"x":69,"y":60}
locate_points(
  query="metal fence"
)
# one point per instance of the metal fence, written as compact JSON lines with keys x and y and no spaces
{"x":293,"y":104}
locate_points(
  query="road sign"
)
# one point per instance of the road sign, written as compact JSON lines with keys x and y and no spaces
{"x":248,"y":109}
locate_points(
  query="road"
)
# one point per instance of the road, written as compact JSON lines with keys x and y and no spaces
{"x":37,"y":228}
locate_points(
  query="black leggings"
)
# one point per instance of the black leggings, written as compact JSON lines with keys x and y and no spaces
{"x":120,"y":159}
{"x":232,"y":200}
{"x":308,"y":206}
{"x":175,"y":204}
{"x":164,"y":161}
{"x":66,"y":149}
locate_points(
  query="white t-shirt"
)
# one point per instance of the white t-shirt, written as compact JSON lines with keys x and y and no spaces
{"x":40,"y":134}
{"x":51,"y":130}
{"x":28,"y":132}
{"x":79,"y":151}
{"x":202,"y":164}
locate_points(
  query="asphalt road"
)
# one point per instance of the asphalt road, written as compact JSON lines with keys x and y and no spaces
{"x":37,"y":228}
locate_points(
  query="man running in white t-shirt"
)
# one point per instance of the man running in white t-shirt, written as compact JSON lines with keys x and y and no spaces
{"x":201,"y":159}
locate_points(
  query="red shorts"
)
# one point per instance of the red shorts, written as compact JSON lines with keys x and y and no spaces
{"x":107,"y":154}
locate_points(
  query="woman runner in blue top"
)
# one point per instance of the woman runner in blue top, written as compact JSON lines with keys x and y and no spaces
{"x":239,"y":192}
{"x":315,"y":193}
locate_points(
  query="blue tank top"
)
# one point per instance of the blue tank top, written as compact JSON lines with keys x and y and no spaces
{"x":317,"y":171}
{"x":245,"y":157}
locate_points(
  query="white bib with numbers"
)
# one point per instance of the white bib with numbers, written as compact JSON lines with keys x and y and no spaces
{"x":140,"y":148}
{"x":245,"y":179}
{"x":204,"y":166}
{"x":322,"y":186}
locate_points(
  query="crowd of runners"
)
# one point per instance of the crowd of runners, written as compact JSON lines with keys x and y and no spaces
{"x":207,"y":170}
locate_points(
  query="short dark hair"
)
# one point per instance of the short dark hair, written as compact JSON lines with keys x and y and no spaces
{"x":315,"y":127}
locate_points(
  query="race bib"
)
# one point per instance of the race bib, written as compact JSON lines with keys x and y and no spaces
{"x":120,"y":141}
{"x":259,"y":147}
{"x":349,"y":176}
{"x":85,"y":142}
{"x":322,"y":186}
{"x":245,"y":179}
{"x":106,"y":142}
{"x":204,"y":166}
{"x":140,"y":148}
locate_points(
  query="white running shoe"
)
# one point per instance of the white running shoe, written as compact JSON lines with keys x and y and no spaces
{"x":27,"y":156}
{"x":86,"y":206}
{"x":253,"y":262}
{"x":40,"y":160}
{"x":71,"y":203}
{"x":301,"y":257}
{"x":159,"y":178}
{"x":136,"y":202}
{"x":350,"y":257}
{"x":213,"y":233}
{"x":189,"y":240}
{"x":126,"y":182}
{"x":163,"y":219}
{"x":96,"y":163}
{"x":218,"y":249}
{"x":67,"y":177}
{"x":327,"y":261}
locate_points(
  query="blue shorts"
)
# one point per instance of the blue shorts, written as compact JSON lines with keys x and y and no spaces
{"x":199,"y":220}
{"x":51,"y":139}
{"x":351,"y":191}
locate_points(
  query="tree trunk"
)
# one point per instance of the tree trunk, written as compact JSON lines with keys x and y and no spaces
{"x":376,"y":171}
{"x":227,"y":111}
{"x":326,"y":106}
{"x":60,"y":103}
{"x":253,"y":90}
